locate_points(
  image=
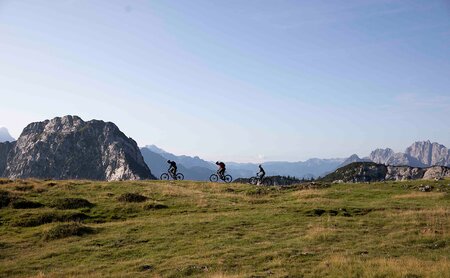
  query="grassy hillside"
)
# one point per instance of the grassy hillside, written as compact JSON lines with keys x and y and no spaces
{"x":179,"y":229}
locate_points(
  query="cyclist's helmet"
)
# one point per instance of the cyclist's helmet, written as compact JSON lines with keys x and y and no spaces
{"x":217,"y":162}
{"x":168,"y":161}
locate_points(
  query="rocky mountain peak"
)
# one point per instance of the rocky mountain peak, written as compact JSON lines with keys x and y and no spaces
{"x":429,"y":153}
{"x":68,"y":147}
{"x":381,"y":156}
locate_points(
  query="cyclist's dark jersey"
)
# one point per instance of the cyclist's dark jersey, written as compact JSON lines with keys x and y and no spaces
{"x":261,"y":170}
{"x":222,"y":165}
{"x":173,"y":164}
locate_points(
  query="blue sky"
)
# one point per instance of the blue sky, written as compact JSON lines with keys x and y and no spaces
{"x":233,"y":80}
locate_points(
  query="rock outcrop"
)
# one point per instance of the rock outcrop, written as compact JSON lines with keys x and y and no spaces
{"x":401,"y":173}
{"x":5,"y":149}
{"x":70,"y":148}
{"x":373,"y":172}
{"x":436,"y":172}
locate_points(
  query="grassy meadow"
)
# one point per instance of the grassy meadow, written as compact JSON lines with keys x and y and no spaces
{"x":198,"y":229}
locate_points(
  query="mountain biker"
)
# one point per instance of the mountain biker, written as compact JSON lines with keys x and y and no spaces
{"x":261,"y":174}
{"x":221,"y":170}
{"x":172,"y":169}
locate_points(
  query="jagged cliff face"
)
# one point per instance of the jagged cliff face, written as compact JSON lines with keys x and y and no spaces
{"x":5,"y":149}
{"x":419,"y":154}
{"x":429,"y":153}
{"x":68,"y":147}
{"x":381,"y":156}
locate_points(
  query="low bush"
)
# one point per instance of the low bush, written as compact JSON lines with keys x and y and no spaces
{"x":5,"y":198}
{"x":67,"y":230}
{"x":33,"y":220}
{"x":2,"y":181}
{"x":153,"y":206}
{"x":132,"y":198}
{"x":25,"y":204}
{"x":24,"y":187}
{"x":71,"y":203}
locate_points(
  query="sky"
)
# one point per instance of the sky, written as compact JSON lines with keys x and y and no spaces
{"x":245,"y":81}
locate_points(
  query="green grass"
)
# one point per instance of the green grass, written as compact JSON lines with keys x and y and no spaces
{"x":202,"y":229}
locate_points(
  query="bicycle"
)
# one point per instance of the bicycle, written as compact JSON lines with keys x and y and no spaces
{"x":167,"y":176}
{"x":216,"y":177}
{"x":265,"y":181}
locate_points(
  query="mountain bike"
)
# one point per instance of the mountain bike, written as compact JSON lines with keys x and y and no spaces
{"x":216,"y":177}
{"x":167,"y":176}
{"x":265,"y":181}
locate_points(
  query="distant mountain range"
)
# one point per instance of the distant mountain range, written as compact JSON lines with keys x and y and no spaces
{"x":199,"y":169}
{"x":419,"y":154}
{"x":68,"y":147}
{"x":5,"y":136}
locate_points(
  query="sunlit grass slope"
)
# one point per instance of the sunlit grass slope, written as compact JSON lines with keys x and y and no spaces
{"x":197,"y":229}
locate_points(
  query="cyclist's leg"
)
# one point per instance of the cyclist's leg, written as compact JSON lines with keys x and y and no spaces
{"x":174,"y":173}
{"x":222,"y":173}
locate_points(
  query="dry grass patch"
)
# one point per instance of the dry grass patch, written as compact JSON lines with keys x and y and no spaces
{"x":384,"y":267}
{"x":416,"y":195}
{"x":308,"y":193}
{"x":320,"y":232}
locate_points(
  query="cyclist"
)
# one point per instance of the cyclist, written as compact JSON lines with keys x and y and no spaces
{"x":261,"y":174}
{"x":221,"y":171}
{"x":172,"y":169}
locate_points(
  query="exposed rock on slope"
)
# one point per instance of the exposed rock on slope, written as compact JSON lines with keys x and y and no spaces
{"x":69,"y":148}
{"x":400,"y":173}
{"x":5,"y":149}
{"x":372,"y":172}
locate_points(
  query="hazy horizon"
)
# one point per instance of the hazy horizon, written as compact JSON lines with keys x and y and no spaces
{"x":244,"y":81}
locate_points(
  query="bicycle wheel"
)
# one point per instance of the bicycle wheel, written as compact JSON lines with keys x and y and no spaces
{"x":180,"y":176}
{"x":164,"y":177}
{"x":228,"y":178}
{"x":267,"y":182}
{"x":253,"y":180}
{"x":214,"y":178}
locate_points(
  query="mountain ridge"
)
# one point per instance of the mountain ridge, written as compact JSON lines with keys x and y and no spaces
{"x":419,"y":154}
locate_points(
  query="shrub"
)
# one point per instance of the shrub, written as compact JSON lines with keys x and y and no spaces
{"x":24,"y":187}
{"x":48,"y":217}
{"x":25,"y":204}
{"x":153,"y":206}
{"x":132,"y":198}
{"x":71,"y":203}
{"x":67,"y":230}
{"x":5,"y":198}
{"x":2,"y":181}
